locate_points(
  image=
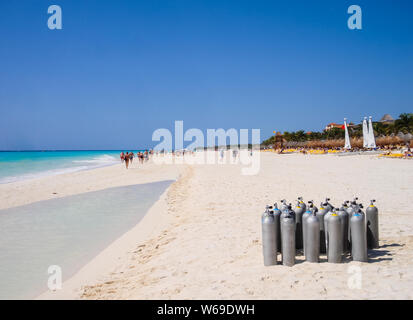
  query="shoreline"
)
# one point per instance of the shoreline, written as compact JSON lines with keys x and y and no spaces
{"x":110,"y":257}
{"x":52,"y":173}
{"x":50,"y":187}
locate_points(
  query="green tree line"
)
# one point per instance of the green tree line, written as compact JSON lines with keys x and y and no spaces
{"x":403,"y":124}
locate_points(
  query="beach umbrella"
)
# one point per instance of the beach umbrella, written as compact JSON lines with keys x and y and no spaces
{"x":401,"y":135}
{"x":405,"y":137}
{"x":365,"y":133}
{"x":347,"y":144}
{"x":371,"y":139}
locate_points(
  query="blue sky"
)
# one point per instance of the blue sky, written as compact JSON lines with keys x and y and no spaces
{"x":118,"y":70}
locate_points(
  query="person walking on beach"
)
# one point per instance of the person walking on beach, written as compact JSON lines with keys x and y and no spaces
{"x":122,"y":157}
{"x":127,"y":160}
{"x":131,"y":155}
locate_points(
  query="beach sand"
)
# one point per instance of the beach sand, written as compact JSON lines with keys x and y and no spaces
{"x":202,"y":239}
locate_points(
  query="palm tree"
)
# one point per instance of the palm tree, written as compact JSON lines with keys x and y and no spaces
{"x":404,"y":123}
{"x":356,"y":131}
{"x":380,"y":129}
{"x":300,"y":136}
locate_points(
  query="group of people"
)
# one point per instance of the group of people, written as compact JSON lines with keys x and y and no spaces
{"x":129,"y":156}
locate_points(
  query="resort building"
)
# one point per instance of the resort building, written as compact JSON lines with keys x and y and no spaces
{"x":333,"y":125}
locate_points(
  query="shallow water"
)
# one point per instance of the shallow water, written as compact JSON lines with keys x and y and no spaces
{"x":22,"y":165}
{"x":67,"y":232}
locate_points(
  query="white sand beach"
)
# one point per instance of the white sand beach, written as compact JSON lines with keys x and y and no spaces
{"x":202,"y":239}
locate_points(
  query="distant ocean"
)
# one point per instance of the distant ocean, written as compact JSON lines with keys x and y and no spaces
{"x":21,"y":165}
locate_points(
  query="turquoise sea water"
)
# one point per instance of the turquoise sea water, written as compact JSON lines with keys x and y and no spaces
{"x":67,"y":232}
{"x":21,"y":165}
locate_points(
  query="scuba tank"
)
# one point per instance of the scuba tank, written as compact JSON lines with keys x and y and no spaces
{"x":267,"y":211}
{"x":372,"y":219}
{"x":320,"y":214}
{"x":358,"y":237}
{"x":344,"y":219}
{"x":288,"y":240}
{"x":277,"y":214}
{"x":344,"y":206}
{"x":334,"y":239}
{"x":326,"y":216}
{"x":354,"y":204}
{"x":350,"y":212}
{"x":269,"y":239}
{"x":298,"y":211}
{"x":302,"y":203}
{"x":312,"y":237}
{"x":283,"y":205}
{"x":305,"y":216}
{"x":284,"y":213}
{"x":291,"y":211}
{"x":356,"y":209}
{"x":328,"y":205}
{"x":275,"y":208}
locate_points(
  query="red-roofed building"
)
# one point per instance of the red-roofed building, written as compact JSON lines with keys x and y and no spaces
{"x":334,"y":125}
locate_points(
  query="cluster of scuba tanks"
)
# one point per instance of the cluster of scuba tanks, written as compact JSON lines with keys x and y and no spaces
{"x":335,"y":232}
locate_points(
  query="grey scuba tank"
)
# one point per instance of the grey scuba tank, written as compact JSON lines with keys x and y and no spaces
{"x":312,"y":237}
{"x":269,"y":239}
{"x":350,"y":210}
{"x":358,"y":237}
{"x":302,"y":203}
{"x":267,"y":211}
{"x":335,"y":239}
{"x":356,"y":209}
{"x":277,"y":214}
{"x":298,"y":211}
{"x":305,"y":216}
{"x":354,"y":204}
{"x":344,"y":206}
{"x":291,"y":211}
{"x":283,"y":205}
{"x":285,"y":212}
{"x":326,"y":216}
{"x":344,"y":219}
{"x":320,"y":214}
{"x":288,"y":240}
{"x":372,"y":221}
{"x":328,"y":205}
